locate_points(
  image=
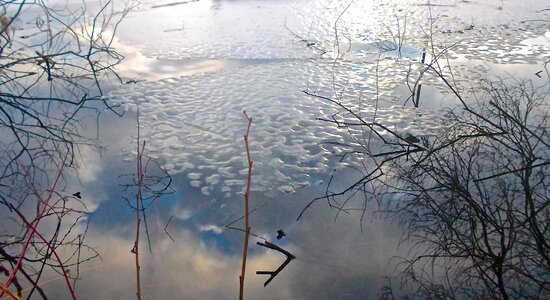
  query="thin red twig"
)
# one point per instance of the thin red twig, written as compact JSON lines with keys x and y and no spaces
{"x":36,"y":221}
{"x":246,"y":198}
{"x":48,"y":244}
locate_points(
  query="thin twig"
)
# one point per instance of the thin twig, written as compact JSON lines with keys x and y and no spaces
{"x":246,"y":198}
{"x":49,"y":245}
{"x":272,"y":274}
{"x":37,"y":220}
{"x":7,"y":291}
{"x":166,"y":230}
{"x":139,"y":170}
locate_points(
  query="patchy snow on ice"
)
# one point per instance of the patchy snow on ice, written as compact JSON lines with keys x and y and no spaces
{"x":207,"y":61}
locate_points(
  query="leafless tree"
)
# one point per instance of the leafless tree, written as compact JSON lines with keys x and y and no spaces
{"x":473,"y":199}
{"x":56,"y":63}
{"x":476,"y":201}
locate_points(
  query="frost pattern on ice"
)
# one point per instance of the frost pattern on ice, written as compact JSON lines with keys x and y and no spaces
{"x":475,"y":30}
{"x":195,"y":124}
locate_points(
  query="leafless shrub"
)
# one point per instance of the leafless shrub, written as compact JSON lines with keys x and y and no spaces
{"x":56,"y":62}
{"x":473,"y":199}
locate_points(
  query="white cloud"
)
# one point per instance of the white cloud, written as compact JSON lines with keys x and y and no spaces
{"x":210,"y":227}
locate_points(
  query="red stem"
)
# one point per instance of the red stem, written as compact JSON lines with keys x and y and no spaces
{"x":36,"y":221}
{"x":246,"y":197}
{"x":65,"y":275}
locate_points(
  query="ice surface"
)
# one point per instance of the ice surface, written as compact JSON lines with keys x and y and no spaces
{"x":207,"y":61}
{"x":196,"y":124}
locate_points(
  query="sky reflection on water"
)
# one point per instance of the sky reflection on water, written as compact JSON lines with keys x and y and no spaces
{"x":202,"y":64}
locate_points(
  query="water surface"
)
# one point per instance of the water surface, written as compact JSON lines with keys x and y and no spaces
{"x":199,"y":64}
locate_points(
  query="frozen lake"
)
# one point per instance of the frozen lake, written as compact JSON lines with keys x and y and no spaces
{"x":199,"y":64}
